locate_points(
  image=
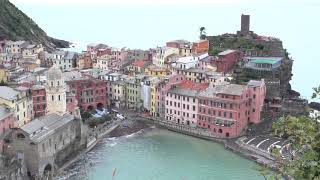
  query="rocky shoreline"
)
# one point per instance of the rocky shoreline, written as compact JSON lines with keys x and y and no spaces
{"x":128,"y":127}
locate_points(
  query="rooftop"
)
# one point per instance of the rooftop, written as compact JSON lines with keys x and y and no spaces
{"x":192,"y":85}
{"x":8,"y":93}
{"x":139,"y":63}
{"x":4,"y":111}
{"x":264,"y":60}
{"x":230,"y":89}
{"x":43,"y":127}
{"x":226,"y":52}
{"x":255,"y":83}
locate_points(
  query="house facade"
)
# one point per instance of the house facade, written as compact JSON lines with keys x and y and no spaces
{"x":39,"y":100}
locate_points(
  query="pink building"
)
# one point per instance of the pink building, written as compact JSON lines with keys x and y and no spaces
{"x":162,"y":89}
{"x":227,"y":59}
{"x":182,"y":103}
{"x":39,"y":100}
{"x":89,"y":92}
{"x":7,"y":121}
{"x":72,"y":103}
{"x":227,"y":110}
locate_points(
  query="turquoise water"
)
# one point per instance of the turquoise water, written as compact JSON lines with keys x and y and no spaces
{"x":162,"y":155}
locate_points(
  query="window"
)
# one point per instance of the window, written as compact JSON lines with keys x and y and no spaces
{"x":254,"y":96}
{"x":225,"y":114}
{"x":52,"y":98}
{"x":231,"y":115}
{"x":43,"y":147}
{"x":253,"y":110}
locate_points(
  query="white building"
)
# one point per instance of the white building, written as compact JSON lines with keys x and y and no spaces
{"x":64,"y":60}
{"x":162,"y":55}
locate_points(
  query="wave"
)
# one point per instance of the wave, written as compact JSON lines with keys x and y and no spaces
{"x":112,"y":144}
{"x":134,"y":134}
{"x":112,"y":138}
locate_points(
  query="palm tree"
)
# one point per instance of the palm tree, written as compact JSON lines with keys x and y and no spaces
{"x":203,"y":32}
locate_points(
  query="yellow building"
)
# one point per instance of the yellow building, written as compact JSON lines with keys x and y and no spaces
{"x":157,"y":71}
{"x":3,"y":74}
{"x":154,"y":105}
{"x":185,"y":51}
{"x":16,"y":100}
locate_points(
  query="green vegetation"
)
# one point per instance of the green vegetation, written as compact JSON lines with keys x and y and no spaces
{"x":304,"y":135}
{"x":94,"y":122}
{"x":316,"y":92}
{"x":215,"y":51}
{"x":2,"y":83}
{"x":203,"y":33}
{"x":15,"y":25}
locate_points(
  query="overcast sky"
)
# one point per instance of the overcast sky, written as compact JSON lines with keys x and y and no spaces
{"x":150,"y":23}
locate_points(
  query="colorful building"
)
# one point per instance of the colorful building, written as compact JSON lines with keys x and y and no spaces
{"x":182,"y":103}
{"x":157,"y":71}
{"x":138,"y":67}
{"x":227,"y":59}
{"x":161,"y":89}
{"x":201,"y":46}
{"x":133,"y":93}
{"x":84,"y":61}
{"x":17,"y":101}
{"x":89,"y":92}
{"x":227,"y":110}
{"x":7,"y":121}
{"x":39,"y":100}
{"x":4,"y":76}
{"x":162,"y":55}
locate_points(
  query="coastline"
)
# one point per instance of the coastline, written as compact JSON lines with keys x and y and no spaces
{"x":117,"y":130}
{"x":137,"y":123}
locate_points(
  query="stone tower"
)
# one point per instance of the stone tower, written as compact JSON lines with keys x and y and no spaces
{"x":56,"y":91}
{"x":245,"y":24}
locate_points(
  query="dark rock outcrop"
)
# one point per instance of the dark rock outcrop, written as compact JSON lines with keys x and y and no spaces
{"x":15,"y":25}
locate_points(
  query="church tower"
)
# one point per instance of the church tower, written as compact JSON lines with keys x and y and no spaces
{"x":56,"y":91}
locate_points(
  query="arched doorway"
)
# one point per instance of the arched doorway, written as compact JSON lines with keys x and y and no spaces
{"x":47,"y":172}
{"x":227,"y":134}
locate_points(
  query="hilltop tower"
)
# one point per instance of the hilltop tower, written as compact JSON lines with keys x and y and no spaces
{"x":245,"y":24}
{"x":56,"y":91}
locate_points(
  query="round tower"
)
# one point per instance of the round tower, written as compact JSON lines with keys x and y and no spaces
{"x":56,"y":91}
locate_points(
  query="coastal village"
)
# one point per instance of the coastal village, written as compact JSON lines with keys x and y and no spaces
{"x":229,"y":88}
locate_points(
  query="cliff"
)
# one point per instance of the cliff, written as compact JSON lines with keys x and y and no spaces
{"x":15,"y":25}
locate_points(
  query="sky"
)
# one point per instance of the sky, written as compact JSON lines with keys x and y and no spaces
{"x":150,"y":23}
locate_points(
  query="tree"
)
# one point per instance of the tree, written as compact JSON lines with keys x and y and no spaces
{"x":316,"y":92}
{"x":203,"y":33}
{"x":304,"y":135}
{"x":2,"y":83}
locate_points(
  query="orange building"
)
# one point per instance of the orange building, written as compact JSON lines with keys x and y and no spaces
{"x":200,"y":46}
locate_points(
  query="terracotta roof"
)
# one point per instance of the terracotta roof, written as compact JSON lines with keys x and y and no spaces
{"x":139,"y":63}
{"x":193,"y":86}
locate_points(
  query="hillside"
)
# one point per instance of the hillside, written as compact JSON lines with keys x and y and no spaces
{"x":15,"y":25}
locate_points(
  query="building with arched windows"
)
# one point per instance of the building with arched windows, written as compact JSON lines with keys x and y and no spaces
{"x":55,"y":91}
